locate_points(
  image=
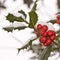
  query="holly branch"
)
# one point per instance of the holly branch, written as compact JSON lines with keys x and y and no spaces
{"x":48,"y":38}
{"x":27,"y":45}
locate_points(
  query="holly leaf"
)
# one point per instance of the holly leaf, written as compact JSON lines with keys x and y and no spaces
{"x":10,"y":29}
{"x":20,"y":28}
{"x":45,"y":53}
{"x":22,"y":12}
{"x":58,"y":3}
{"x":52,"y":21}
{"x":20,"y":19}
{"x":27,"y":45}
{"x":34,"y":7}
{"x":33,"y":16}
{"x":28,"y":2}
{"x":24,"y":47}
{"x":33,"y":19}
{"x":12,"y":18}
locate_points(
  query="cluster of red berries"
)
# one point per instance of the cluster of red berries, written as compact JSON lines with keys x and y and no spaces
{"x":46,"y":36}
{"x":58,"y":19}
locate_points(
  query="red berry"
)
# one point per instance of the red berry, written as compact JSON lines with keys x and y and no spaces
{"x":44,"y":27}
{"x":43,"y":39}
{"x":48,"y":41}
{"x":45,"y":44}
{"x":50,"y":32}
{"x":45,"y":34}
{"x":58,"y":17}
{"x":39,"y":26}
{"x":42,"y":32}
{"x":54,"y":33}
{"x":58,"y":21}
{"x":52,"y":37}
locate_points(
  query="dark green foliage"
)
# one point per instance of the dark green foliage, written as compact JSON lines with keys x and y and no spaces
{"x":58,"y":3}
{"x":10,"y":29}
{"x":33,"y":16}
{"x":33,"y":19}
{"x":27,"y":45}
{"x":12,"y":18}
{"x":52,"y":21}
{"x":34,"y":7}
{"x":22,"y":12}
{"x":28,"y":2}
{"x":20,"y":19}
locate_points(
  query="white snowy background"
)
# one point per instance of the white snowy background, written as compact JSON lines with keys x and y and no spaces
{"x":8,"y":44}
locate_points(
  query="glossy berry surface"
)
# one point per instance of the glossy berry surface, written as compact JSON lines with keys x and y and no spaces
{"x":42,"y":39}
{"x":58,"y":17}
{"x":46,"y":37}
{"x":58,"y":21}
{"x":39,"y":26}
{"x":44,"y":27}
{"x":48,"y":41}
{"x":42,"y":32}
{"x":52,"y":37}
{"x":50,"y":32}
{"x":45,"y":34}
{"x":45,"y":44}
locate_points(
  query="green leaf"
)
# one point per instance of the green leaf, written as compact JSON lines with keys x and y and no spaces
{"x":24,"y":47}
{"x":52,"y":21}
{"x":33,"y":19}
{"x":46,"y":53}
{"x":28,"y":2}
{"x":34,"y":7}
{"x":10,"y":29}
{"x":22,"y":12}
{"x":58,"y":3}
{"x":27,"y":45}
{"x":12,"y":18}
{"x":20,"y":28}
{"x":33,"y":16}
{"x":20,"y":19}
